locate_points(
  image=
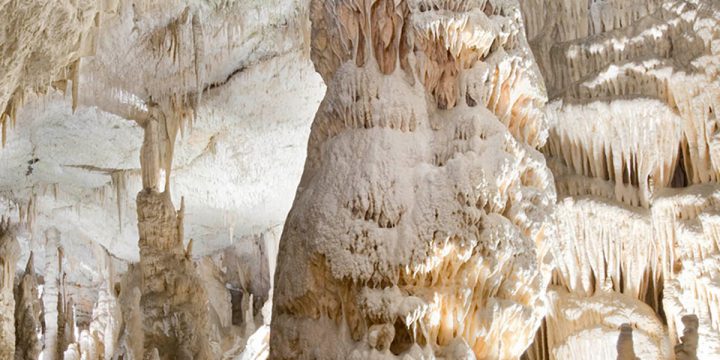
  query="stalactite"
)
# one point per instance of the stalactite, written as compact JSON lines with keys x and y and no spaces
{"x":199,"y":55}
{"x":75,"y":78}
{"x":9,"y":114}
{"x":45,"y":49}
{"x":248,"y":316}
{"x":591,"y":327}
{"x":118,"y":183}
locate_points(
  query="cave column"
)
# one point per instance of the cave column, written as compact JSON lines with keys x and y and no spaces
{"x":171,"y":296}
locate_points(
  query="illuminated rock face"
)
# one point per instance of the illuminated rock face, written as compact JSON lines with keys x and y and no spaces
{"x":423,"y":219}
{"x":94,"y":69}
{"x":634,"y":92}
{"x":426,"y":224}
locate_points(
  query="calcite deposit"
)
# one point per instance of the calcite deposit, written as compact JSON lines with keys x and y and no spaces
{"x":9,"y":251}
{"x":424,"y":216}
{"x":27,"y":315}
{"x":359,"y":179}
{"x":633,"y":90}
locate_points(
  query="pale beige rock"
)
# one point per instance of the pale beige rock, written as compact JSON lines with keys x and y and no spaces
{"x":51,"y":298}
{"x":41,"y":43}
{"x":424,"y":204}
{"x":590,"y":328}
{"x":625,"y":348}
{"x":634,"y":89}
{"x":426,"y":223}
{"x":106,"y":315}
{"x":9,"y":251}
{"x":27,"y":315}
{"x":687,"y":350}
{"x":172,"y":297}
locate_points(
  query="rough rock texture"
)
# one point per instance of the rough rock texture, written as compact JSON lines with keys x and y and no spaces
{"x":78,"y":171}
{"x":41,"y":43}
{"x":687,"y":350}
{"x":51,"y":298}
{"x":78,"y":77}
{"x":106,"y":315}
{"x":424,"y":206}
{"x":633,"y":88}
{"x":625,"y":343}
{"x":580,"y":327}
{"x":9,"y":251}
{"x":173,"y":302}
{"x":27,"y":315}
{"x":426,"y":224}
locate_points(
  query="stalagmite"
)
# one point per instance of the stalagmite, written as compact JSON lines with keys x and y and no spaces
{"x":50,"y":296}
{"x":27,"y":315}
{"x":72,"y":353}
{"x":687,"y":350}
{"x":625,"y":343}
{"x":106,"y":316}
{"x":130,"y":342}
{"x":9,"y":251}
{"x":424,"y":206}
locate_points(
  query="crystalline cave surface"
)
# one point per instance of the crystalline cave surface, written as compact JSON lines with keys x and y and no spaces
{"x":359,"y":179}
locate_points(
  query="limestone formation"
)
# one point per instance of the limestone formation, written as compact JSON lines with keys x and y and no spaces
{"x":465,"y":179}
{"x":424,"y":206}
{"x":174,"y":305}
{"x":106,"y":315}
{"x":27,"y":315}
{"x":585,"y":328}
{"x":51,"y":298}
{"x":633,"y":91}
{"x":41,"y":44}
{"x":9,"y":251}
{"x":625,"y":343}
{"x":687,"y":350}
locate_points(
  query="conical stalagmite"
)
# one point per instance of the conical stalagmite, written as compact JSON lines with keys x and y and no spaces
{"x":106,"y":315}
{"x":9,"y":251}
{"x":27,"y":315}
{"x":687,"y":349}
{"x":625,"y":343}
